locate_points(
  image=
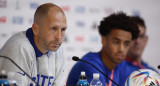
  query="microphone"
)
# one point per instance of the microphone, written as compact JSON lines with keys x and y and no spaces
{"x":75,"y":58}
{"x":158,"y":66}
{"x":20,"y":68}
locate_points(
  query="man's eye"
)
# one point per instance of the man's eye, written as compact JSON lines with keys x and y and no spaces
{"x":127,"y":43}
{"x":63,"y":29}
{"x":53,"y":28}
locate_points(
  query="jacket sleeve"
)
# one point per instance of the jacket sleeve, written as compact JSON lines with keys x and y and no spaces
{"x":18,"y":52}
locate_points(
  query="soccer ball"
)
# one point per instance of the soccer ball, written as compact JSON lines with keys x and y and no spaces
{"x":143,"y":77}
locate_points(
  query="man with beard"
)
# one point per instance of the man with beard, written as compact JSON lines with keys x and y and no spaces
{"x":38,"y":50}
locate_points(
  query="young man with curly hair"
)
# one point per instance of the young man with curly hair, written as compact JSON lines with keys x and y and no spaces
{"x":117,"y":31}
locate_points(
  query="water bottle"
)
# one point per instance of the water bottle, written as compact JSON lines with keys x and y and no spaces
{"x":82,"y":80}
{"x":96,"y":81}
{"x":7,"y":80}
{"x":3,"y":79}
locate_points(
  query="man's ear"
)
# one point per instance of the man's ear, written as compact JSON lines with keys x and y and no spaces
{"x":35,"y":29}
{"x":104,"y":41}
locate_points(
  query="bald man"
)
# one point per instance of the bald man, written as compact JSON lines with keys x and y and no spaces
{"x":38,"y":50}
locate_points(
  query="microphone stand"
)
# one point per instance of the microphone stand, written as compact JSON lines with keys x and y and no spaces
{"x":20,"y":69}
{"x":76,"y":59}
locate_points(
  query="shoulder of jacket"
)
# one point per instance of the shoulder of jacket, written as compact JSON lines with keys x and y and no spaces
{"x":18,"y":41}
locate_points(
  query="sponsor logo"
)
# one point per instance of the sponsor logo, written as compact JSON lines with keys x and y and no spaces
{"x":79,"y":38}
{"x":80,"y":9}
{"x":34,"y":5}
{"x":43,"y":80}
{"x":2,"y":19}
{"x":3,"y":3}
{"x":135,"y":13}
{"x":17,"y":5}
{"x":80,"y":24}
{"x":94,"y":25}
{"x":17,"y":20}
{"x":94,"y":10}
{"x":108,"y":11}
{"x":94,"y":39}
{"x":65,"y":8}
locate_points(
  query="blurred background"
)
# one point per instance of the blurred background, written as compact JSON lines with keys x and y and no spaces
{"x":83,"y":17}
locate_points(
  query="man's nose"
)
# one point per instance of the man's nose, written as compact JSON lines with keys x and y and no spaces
{"x":58,"y":34}
{"x":121,"y":47}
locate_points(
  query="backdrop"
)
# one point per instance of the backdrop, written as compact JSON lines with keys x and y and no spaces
{"x":83,"y":17}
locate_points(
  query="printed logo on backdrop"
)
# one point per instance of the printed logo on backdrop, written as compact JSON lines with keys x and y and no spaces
{"x":94,"y":10}
{"x":136,"y":13}
{"x":17,"y":5}
{"x":17,"y":20}
{"x":80,"y":24}
{"x":3,"y":3}
{"x":94,"y":39}
{"x":94,"y":25}
{"x":79,"y":38}
{"x":2,"y":19}
{"x":65,"y":8}
{"x":80,"y":9}
{"x":108,"y":10}
{"x":33,"y":5}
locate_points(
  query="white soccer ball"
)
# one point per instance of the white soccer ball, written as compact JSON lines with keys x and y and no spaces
{"x":143,"y":77}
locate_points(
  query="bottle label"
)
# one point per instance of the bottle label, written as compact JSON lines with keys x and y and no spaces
{"x":82,"y":83}
{"x":4,"y":82}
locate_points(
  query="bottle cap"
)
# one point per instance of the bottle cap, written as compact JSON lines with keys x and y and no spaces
{"x":3,"y":72}
{"x":83,"y":73}
{"x":83,"y":76}
{"x":96,"y":75}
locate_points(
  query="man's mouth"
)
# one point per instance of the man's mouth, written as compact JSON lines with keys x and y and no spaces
{"x":120,"y":56}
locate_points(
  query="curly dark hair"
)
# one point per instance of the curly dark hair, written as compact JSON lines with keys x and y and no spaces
{"x":118,"y":21}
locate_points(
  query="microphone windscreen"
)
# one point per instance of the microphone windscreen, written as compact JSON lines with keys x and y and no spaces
{"x":158,"y":66}
{"x":75,"y":58}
